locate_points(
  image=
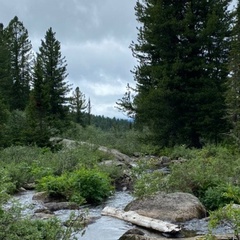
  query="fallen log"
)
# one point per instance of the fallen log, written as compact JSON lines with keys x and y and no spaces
{"x":147,"y":222}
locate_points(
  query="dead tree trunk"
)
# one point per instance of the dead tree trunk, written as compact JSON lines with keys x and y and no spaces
{"x":147,"y":222}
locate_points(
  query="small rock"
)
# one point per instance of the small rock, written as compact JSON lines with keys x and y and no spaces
{"x":55,"y":206}
{"x":41,"y":196}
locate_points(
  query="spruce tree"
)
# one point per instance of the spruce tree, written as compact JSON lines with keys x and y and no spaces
{"x":38,"y":127}
{"x":20,"y":50}
{"x":5,"y":77}
{"x":50,"y":87}
{"x":233,"y":83}
{"x":182,"y":49}
{"x":78,"y":105}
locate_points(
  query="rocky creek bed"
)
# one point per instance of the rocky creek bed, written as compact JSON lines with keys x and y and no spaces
{"x":108,"y":228}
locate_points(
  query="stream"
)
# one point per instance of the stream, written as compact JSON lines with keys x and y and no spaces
{"x":103,"y":228}
{"x":108,"y":228}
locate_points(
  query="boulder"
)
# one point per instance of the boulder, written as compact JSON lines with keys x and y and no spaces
{"x":41,"y":196}
{"x":55,"y":206}
{"x":124,"y":182}
{"x":173,"y":207}
{"x":43,"y":214}
{"x":132,"y":234}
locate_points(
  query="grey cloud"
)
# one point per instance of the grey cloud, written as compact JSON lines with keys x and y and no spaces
{"x":95,"y":37}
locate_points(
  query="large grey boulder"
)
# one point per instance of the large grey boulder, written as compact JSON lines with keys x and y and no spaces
{"x":173,"y":207}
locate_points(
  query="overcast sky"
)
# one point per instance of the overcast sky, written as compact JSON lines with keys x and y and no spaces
{"x":95,"y":36}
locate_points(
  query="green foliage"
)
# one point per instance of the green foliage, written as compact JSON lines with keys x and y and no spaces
{"x":4,"y":114}
{"x":180,"y":151}
{"x":211,"y":174}
{"x":56,"y":187}
{"x":228,"y":215}
{"x":15,"y":128}
{"x":20,"y":64}
{"x":20,"y":174}
{"x":29,"y":164}
{"x":216,"y":197}
{"x":150,"y":183}
{"x":13,"y":226}
{"x":207,"y":173}
{"x":232,"y":93}
{"x":47,"y":108}
{"x":78,"y":105}
{"x":6,"y":186}
{"x":83,"y":185}
{"x":93,"y":185}
{"x":127,"y":141}
{"x":183,"y":54}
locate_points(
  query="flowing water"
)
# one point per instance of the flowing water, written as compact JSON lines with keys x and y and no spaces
{"x":108,"y":228}
{"x":104,"y":227}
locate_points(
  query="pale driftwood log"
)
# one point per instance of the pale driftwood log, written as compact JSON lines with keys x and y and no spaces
{"x":147,"y":222}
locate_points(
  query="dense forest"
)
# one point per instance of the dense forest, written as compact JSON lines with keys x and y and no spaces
{"x":185,"y":107}
{"x":186,"y":81}
{"x":36,"y":99}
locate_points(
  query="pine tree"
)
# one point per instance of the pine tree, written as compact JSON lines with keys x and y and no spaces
{"x":38,"y":127}
{"x":5,"y":77}
{"x":182,"y":50}
{"x":4,"y":114}
{"x":50,"y":88}
{"x":125,"y":104}
{"x":20,"y":50}
{"x":78,"y":105}
{"x":233,"y":83}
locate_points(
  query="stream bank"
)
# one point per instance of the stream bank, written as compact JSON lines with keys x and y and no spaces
{"x":108,"y":228}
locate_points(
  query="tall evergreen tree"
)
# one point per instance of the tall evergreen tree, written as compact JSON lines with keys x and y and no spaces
{"x":182,"y":50}
{"x":50,"y":87}
{"x":233,"y":83}
{"x":38,"y":128}
{"x":5,"y":77}
{"x":20,"y":50}
{"x":78,"y":105}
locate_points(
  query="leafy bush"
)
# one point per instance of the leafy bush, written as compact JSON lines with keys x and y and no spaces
{"x":93,"y":185}
{"x":205,"y":173}
{"x":6,"y":186}
{"x":228,"y":215}
{"x":16,"y":227}
{"x":89,"y":185}
{"x":218,"y":196}
{"x":150,"y":183}
{"x":29,"y":164}
{"x":57,"y":187}
{"x":209,"y":167}
{"x":19,"y":174}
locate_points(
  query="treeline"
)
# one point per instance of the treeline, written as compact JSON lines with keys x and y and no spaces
{"x":36,"y":101}
{"x":187,"y":76}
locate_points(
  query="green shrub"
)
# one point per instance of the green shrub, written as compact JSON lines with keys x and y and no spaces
{"x":19,"y":174}
{"x":16,"y":227}
{"x":6,"y":186}
{"x":228,"y":215}
{"x":218,"y":196}
{"x":204,"y":173}
{"x":93,"y":185}
{"x":150,"y":183}
{"x":89,"y":185}
{"x":208,"y":168}
{"x":57,"y":187}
